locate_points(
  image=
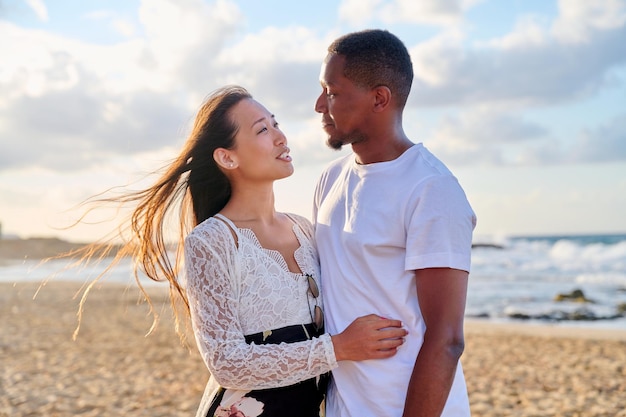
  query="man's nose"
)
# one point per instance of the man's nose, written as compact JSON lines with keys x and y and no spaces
{"x":320,"y":104}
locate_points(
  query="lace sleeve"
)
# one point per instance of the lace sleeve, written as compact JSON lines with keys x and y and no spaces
{"x":212,"y":289}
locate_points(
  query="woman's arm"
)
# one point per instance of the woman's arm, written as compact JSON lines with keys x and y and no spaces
{"x":234,"y":363}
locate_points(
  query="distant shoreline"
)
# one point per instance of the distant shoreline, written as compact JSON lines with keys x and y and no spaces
{"x":37,"y":248}
{"x":49,"y":247}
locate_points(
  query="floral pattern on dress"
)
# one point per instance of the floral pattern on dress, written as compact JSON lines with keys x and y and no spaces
{"x":236,"y":404}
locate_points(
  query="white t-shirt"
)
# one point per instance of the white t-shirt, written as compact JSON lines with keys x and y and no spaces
{"x":374,"y":225}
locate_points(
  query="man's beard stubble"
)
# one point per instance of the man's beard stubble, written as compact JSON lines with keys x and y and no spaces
{"x":337,"y":142}
{"x":334,"y":144}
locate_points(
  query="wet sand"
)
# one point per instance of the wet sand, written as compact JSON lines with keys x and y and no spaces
{"x":113,"y":369}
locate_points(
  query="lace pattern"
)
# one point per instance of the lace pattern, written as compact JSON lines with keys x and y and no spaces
{"x":238,"y":290}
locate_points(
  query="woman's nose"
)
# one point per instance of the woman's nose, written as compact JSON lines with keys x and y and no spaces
{"x":280,"y":137}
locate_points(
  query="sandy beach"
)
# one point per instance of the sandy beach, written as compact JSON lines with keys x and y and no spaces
{"x":113,"y":369}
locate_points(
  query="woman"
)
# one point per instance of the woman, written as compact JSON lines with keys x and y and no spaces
{"x":252,"y":274}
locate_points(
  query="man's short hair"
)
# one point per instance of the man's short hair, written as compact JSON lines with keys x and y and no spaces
{"x":376,"y":57}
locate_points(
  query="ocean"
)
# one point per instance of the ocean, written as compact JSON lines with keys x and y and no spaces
{"x":520,"y":279}
{"x":513,"y":279}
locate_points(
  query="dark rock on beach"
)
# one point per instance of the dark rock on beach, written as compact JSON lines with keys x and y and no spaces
{"x":576,"y":295}
{"x":487,"y":245}
{"x":579,"y":314}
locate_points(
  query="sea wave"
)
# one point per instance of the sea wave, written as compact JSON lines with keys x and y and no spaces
{"x":521,"y":278}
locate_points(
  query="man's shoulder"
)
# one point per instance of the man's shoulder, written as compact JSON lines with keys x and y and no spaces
{"x":421,"y":159}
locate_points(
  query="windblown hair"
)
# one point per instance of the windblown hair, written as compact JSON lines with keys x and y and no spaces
{"x":191,"y":189}
{"x":376,"y":57}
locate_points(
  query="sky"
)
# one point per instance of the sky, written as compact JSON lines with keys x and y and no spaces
{"x":524,"y":100}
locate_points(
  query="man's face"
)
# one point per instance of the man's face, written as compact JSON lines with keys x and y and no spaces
{"x":344,"y":106}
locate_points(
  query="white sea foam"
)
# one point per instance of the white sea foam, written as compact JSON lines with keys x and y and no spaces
{"x":524,"y":277}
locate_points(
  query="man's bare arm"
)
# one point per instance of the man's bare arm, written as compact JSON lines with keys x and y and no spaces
{"x":442,"y":293}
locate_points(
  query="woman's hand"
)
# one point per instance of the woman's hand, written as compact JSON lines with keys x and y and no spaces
{"x":369,"y":337}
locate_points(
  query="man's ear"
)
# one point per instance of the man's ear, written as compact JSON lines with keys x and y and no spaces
{"x":224,"y":158}
{"x":382,"y":98}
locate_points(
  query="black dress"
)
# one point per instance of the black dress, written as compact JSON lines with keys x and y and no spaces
{"x":302,"y":399}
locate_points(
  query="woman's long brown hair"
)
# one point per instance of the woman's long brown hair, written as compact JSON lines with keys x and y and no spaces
{"x":190,"y":190}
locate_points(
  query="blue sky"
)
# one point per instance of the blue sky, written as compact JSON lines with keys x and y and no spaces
{"x":525,"y":100}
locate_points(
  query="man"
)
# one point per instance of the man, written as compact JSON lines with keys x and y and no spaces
{"x":394,"y":231}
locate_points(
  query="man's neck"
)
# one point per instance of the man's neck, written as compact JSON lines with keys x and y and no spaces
{"x":384,"y":151}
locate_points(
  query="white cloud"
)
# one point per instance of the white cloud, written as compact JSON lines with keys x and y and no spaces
{"x":279,"y":66}
{"x":436,"y":60}
{"x":357,"y":12}
{"x":69,"y":129}
{"x":525,"y":67}
{"x":494,"y":136}
{"x":484,"y":136}
{"x":436,"y":12}
{"x":606,"y":143}
{"x":579,"y":19}
{"x":428,"y":12}
{"x":187,"y":32}
{"x":529,"y":32}
{"x":77,"y":117}
{"x":32,"y":67}
{"x":80,"y":104}
{"x":124,"y":27}
{"x":73,"y":103}
{"x":39,"y":7}
{"x":290,"y":44}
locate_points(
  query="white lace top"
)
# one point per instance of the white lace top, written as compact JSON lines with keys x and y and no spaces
{"x":236,"y":289}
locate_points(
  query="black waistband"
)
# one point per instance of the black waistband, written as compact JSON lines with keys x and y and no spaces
{"x":288,"y":334}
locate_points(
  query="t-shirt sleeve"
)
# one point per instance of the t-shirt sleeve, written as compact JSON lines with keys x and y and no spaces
{"x":440,"y":226}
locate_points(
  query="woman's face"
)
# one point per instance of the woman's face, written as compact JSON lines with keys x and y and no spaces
{"x":260,"y":152}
